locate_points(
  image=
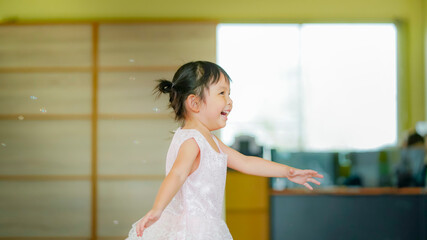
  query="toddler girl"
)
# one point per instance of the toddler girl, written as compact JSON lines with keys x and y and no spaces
{"x":189,"y":203}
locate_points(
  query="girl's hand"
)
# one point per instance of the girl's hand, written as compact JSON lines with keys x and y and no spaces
{"x":151,"y":217}
{"x":303,"y":177}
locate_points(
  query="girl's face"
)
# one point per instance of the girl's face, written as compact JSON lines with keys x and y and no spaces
{"x":216,"y":105}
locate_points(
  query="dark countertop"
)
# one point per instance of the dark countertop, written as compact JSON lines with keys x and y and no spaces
{"x":352,"y":191}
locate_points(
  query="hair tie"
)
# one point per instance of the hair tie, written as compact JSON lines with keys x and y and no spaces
{"x":167,"y":86}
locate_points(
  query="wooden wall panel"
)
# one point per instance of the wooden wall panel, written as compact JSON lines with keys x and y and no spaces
{"x":168,"y":44}
{"x":129,"y":147}
{"x":121,"y":203}
{"x":44,"y":208}
{"x":57,"y":93}
{"x":45,"y":147}
{"x":45,"y":46}
{"x":131,"y":92}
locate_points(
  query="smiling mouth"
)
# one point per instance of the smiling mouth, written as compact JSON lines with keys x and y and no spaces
{"x":225,"y":113}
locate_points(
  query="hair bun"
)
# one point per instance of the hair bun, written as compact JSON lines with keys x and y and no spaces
{"x":165,"y":86}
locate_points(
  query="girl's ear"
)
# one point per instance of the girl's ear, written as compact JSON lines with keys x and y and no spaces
{"x":193,"y":103}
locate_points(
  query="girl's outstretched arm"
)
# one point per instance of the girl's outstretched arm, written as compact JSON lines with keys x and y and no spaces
{"x":187,"y":154}
{"x":261,"y":167}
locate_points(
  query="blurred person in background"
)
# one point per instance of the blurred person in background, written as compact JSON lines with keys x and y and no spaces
{"x":411,"y":169}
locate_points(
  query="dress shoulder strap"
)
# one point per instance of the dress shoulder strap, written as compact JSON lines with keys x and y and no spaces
{"x":185,"y":134}
{"x":181,"y":135}
{"x":216,"y":142}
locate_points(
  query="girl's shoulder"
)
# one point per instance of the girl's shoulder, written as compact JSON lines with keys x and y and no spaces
{"x":201,"y":140}
{"x":187,"y":133}
{"x":182,"y":135}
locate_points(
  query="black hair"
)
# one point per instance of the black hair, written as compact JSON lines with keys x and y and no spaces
{"x":414,"y":139}
{"x":190,"y":78}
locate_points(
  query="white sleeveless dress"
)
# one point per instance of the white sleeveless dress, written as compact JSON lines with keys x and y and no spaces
{"x":195,"y":213}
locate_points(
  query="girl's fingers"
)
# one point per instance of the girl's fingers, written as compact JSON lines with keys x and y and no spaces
{"x":308,"y":186}
{"x":137,"y":228}
{"x":308,"y":172}
{"x":313,"y":181}
{"x":314,"y":174}
{"x":140,"y":227}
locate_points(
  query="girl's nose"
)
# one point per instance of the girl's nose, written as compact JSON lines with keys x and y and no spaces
{"x":229,"y":101}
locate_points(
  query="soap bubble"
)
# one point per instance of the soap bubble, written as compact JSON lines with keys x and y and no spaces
{"x":156,"y":109}
{"x":20,"y":117}
{"x":116,"y":222}
{"x":43,"y":110}
{"x":3,"y":144}
{"x":135,"y":141}
{"x":132,"y":78}
{"x":33,"y":97}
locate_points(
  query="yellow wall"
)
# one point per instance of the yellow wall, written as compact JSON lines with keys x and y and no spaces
{"x":223,"y":10}
{"x":411,"y":12}
{"x":425,"y":50}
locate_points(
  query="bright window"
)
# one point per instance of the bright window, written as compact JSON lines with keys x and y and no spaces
{"x":313,"y":87}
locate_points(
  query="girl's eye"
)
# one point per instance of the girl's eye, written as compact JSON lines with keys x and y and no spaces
{"x":222,"y":93}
